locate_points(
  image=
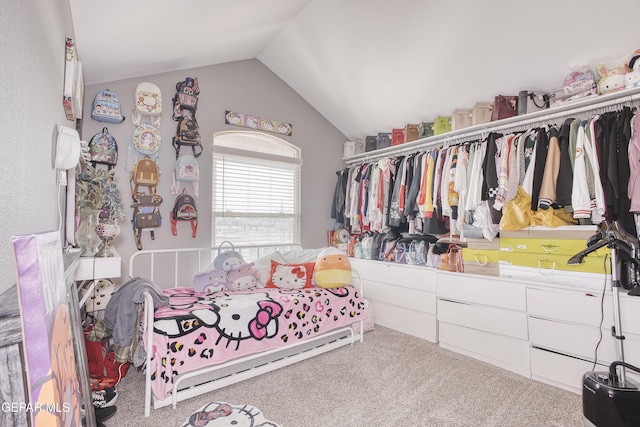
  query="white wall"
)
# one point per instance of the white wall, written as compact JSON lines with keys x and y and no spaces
{"x":32,"y":44}
{"x":245,"y":87}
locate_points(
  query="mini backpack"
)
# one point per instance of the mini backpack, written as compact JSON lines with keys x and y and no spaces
{"x":146,"y":174}
{"x":184,"y":209}
{"x":188,"y":134}
{"x":103,"y":149}
{"x":185,"y":101}
{"x":106,"y":107}
{"x":146,"y":214}
{"x":146,"y":143}
{"x":148,"y":102}
{"x":186,"y":170}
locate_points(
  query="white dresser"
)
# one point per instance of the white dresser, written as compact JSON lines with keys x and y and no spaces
{"x":544,"y":331}
{"x":564,"y":330}
{"x":485,"y":318}
{"x":403,"y":296}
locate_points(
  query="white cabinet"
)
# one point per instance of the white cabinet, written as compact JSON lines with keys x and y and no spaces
{"x":485,"y":318}
{"x":403,"y":296}
{"x":544,"y":331}
{"x":567,"y":325}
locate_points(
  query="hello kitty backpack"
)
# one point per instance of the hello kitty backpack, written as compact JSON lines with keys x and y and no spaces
{"x":186,"y":170}
{"x":148,"y":102}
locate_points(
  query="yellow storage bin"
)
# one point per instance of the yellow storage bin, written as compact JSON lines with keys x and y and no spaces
{"x":550,"y":262}
{"x":548,"y":246}
{"x":480,"y":257}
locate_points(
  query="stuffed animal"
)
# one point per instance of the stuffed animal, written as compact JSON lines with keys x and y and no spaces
{"x":332,"y":269}
{"x":228,"y":259}
{"x":242,"y":277}
{"x":611,"y":80}
{"x":210,"y":281}
{"x":632,"y":78}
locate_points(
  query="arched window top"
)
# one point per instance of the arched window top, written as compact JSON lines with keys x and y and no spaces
{"x":256,"y":142}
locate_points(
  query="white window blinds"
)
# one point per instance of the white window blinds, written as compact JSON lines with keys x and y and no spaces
{"x":256,"y":198}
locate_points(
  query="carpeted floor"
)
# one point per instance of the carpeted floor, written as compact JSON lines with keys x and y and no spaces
{"x":392,"y":379}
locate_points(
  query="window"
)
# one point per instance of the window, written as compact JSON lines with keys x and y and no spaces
{"x":255,"y":192}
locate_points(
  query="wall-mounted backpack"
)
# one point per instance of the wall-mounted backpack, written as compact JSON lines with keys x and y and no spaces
{"x":186,"y":170}
{"x":188,"y":134}
{"x":185,"y":101}
{"x":145,"y":173}
{"x":146,"y":143}
{"x":148,"y":102}
{"x":146,"y":214}
{"x":184,"y":209}
{"x":103,"y":149}
{"x":106,"y":107}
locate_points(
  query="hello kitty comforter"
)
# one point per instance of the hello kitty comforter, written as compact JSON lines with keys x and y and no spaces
{"x":197,"y":330}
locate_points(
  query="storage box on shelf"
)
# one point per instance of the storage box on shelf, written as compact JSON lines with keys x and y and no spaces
{"x":565,"y":328}
{"x":351,"y":148}
{"x":403,"y":296}
{"x":484,"y":318}
{"x":544,"y":254}
{"x":482,"y":256}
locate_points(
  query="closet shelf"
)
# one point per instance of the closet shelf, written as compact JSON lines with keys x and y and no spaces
{"x":588,"y":104}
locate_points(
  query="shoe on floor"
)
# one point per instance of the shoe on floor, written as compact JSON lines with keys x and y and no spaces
{"x":103,"y":414}
{"x":105,"y":398}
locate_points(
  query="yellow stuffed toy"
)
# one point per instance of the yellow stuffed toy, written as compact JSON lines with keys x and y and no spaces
{"x":332,"y":269}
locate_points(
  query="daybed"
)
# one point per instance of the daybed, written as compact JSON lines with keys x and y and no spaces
{"x":204,"y":341}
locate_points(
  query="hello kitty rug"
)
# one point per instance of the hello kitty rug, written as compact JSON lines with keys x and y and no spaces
{"x":221,"y":414}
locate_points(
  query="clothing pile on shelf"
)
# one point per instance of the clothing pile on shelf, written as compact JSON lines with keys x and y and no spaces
{"x":581,"y":171}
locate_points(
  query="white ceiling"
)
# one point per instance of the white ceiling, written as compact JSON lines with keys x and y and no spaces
{"x":367,"y":65}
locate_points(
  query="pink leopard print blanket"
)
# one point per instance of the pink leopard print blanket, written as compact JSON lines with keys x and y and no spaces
{"x":198,"y":330}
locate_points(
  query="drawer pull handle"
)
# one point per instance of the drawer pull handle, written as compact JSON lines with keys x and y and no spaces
{"x":540,"y":261}
{"x":550,"y":248}
{"x":481,"y":263}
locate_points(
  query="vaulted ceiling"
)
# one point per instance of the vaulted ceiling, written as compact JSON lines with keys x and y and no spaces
{"x":366,"y":65}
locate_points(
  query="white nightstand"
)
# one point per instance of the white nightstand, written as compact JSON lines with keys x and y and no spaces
{"x":91,"y":269}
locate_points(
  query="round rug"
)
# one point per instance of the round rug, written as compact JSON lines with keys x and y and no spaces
{"x":222,"y":414}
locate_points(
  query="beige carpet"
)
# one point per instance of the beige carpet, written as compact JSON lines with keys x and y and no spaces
{"x":392,"y":379}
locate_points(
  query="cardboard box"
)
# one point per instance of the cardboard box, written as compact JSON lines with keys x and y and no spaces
{"x":483,"y":243}
{"x":480,"y":257}
{"x":490,"y":269}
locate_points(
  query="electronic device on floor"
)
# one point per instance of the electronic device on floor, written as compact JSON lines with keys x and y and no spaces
{"x":610,"y":399}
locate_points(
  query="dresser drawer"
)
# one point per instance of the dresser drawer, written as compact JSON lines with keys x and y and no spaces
{"x":416,"y":323}
{"x":559,"y":370}
{"x":490,"y":319}
{"x":403,"y":297}
{"x":570,"y":338}
{"x":506,"y":352}
{"x":408,"y":276}
{"x":482,"y":290}
{"x":570,"y":306}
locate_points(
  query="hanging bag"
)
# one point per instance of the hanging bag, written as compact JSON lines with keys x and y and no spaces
{"x":184,"y":209}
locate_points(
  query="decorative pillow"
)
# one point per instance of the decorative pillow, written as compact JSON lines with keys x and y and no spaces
{"x":242,"y":277}
{"x":332,"y":269}
{"x":290,"y":276}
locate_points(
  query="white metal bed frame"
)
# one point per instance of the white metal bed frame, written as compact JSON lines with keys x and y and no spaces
{"x":214,"y":377}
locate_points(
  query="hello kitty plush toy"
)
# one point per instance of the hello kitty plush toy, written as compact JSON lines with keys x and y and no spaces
{"x":244,"y":276}
{"x":632,"y":78}
{"x":611,"y":80}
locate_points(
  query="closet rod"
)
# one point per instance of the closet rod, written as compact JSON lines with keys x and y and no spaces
{"x":480,"y":131}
